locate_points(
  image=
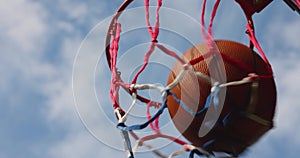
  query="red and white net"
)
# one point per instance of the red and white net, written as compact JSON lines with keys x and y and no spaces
{"x":131,"y":140}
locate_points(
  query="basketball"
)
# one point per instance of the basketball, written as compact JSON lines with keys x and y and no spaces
{"x":238,"y":126}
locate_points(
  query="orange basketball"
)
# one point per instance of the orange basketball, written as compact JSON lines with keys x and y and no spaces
{"x":239,"y":124}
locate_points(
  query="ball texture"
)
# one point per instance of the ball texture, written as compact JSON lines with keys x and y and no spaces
{"x":238,"y":125}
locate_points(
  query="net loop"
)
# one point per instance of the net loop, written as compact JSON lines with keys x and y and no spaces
{"x":154,"y":126}
{"x":170,"y":53}
{"x":153,"y":33}
{"x":252,"y":38}
{"x":127,"y":144}
{"x":208,"y":36}
{"x":213,"y":14}
{"x":122,"y":126}
{"x":146,"y":61}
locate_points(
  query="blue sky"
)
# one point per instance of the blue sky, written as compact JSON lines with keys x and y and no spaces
{"x":39,"y":44}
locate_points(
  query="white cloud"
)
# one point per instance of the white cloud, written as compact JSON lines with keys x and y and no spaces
{"x":22,"y":42}
{"x":74,"y":11}
{"x":25,"y":61}
{"x":284,"y":33}
{"x":288,"y":71}
{"x":65,"y":26}
{"x":82,"y":144}
{"x":22,"y":23}
{"x":290,"y":33}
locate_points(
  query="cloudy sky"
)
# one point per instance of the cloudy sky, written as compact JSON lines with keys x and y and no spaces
{"x":45,"y":45}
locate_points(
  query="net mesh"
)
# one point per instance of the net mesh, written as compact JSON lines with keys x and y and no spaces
{"x":128,"y":131}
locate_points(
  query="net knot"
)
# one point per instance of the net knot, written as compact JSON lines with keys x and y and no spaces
{"x":132,"y":88}
{"x":119,"y":113}
{"x":215,"y":87}
{"x":186,"y":66}
{"x":253,"y":76}
{"x":154,"y":41}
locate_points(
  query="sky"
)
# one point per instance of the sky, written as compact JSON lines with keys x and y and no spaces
{"x":54,"y":80}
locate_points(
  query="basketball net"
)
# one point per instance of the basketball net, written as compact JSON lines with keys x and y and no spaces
{"x":128,"y":131}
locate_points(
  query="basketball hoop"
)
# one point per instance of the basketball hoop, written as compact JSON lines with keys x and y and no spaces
{"x":218,"y":69}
